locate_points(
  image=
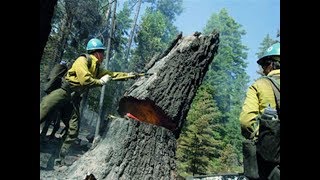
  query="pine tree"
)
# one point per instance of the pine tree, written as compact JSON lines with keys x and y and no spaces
{"x":200,"y":141}
{"x":149,"y":39}
{"x":228,"y":76}
{"x":155,"y":31}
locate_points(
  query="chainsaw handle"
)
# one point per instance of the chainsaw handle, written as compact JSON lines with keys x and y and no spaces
{"x":131,"y":76}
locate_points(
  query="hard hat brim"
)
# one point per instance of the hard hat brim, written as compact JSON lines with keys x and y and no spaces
{"x":102,"y":48}
{"x":267,"y":57}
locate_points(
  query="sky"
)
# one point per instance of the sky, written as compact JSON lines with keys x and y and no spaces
{"x":257,"y":17}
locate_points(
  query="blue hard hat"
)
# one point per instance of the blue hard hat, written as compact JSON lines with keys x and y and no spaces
{"x":273,"y":50}
{"x":95,"y":44}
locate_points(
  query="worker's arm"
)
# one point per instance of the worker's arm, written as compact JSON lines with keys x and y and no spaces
{"x":120,"y":76}
{"x":250,"y":111}
{"x":79,"y":74}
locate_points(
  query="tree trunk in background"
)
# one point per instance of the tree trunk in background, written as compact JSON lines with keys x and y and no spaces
{"x":64,"y":31}
{"x":46,"y":13}
{"x":144,"y":148}
{"x":103,"y":89}
{"x":133,"y":29}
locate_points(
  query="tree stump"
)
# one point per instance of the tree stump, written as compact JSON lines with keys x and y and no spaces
{"x":144,"y":148}
{"x":129,"y":150}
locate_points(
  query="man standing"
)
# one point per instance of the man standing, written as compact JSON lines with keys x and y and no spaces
{"x":261,"y":96}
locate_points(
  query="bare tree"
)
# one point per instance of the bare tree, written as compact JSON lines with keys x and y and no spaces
{"x":133,"y":29}
{"x":107,"y":58}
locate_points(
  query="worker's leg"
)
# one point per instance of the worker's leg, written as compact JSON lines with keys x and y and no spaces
{"x":56,"y":125}
{"x":72,"y":134}
{"x":66,"y":114}
{"x":55,"y":100}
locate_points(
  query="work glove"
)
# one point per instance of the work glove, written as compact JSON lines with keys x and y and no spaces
{"x":136,"y":75}
{"x":104,"y":79}
{"x":62,"y":62}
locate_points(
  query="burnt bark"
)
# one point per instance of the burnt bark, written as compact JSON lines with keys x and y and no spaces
{"x":164,"y":98}
{"x":46,"y":13}
{"x":129,"y":150}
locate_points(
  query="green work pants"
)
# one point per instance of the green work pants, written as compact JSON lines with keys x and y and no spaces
{"x":73,"y":131}
{"x":57,"y":99}
{"x":63,"y":114}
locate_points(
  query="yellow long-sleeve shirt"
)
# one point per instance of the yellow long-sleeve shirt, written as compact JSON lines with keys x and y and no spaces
{"x":259,"y":96}
{"x":80,"y":77}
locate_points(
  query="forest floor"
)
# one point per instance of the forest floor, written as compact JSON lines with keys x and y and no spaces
{"x":49,"y":151}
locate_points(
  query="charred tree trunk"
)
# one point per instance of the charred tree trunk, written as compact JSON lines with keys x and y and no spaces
{"x":144,"y":147}
{"x":46,"y":13}
{"x":130,"y":150}
{"x":164,"y":98}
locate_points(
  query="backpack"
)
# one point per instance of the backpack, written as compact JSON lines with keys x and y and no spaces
{"x":58,"y":72}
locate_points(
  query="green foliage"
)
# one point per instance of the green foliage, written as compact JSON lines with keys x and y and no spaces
{"x":120,"y":40}
{"x":169,"y":8}
{"x":199,"y":142}
{"x":228,"y":162}
{"x":155,"y":31}
{"x":227,"y":74}
{"x":86,"y":22}
{"x":233,"y":137}
{"x":149,"y":39}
